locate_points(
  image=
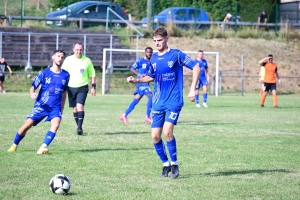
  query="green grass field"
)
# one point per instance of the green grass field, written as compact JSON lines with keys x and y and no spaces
{"x":232,"y":150}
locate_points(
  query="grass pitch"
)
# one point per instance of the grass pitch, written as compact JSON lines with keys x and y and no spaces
{"x":232,"y":150}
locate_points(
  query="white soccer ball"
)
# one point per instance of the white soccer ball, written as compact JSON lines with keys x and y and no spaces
{"x":129,"y":78}
{"x":60,"y":184}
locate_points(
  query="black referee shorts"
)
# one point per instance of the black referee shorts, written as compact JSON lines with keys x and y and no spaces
{"x":77,"y":95}
{"x":2,"y":79}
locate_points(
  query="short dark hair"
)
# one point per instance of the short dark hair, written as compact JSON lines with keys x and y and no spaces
{"x":58,"y":51}
{"x":161,"y":31}
{"x":200,"y":51}
{"x":270,"y":55}
{"x":149,"y":49}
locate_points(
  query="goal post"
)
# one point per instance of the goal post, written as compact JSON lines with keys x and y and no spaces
{"x":104,"y":67}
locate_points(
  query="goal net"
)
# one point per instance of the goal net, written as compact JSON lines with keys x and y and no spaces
{"x":211,"y":57}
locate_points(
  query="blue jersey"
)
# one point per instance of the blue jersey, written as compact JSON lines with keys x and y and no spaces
{"x":167,"y":71}
{"x":53,"y":85}
{"x":203,"y":67}
{"x":142,"y":67}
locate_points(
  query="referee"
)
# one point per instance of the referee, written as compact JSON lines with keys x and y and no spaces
{"x":81,"y":69}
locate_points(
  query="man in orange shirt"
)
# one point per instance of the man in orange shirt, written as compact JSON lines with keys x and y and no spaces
{"x":269,"y":79}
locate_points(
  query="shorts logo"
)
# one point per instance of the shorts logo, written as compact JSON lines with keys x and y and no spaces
{"x":173,"y":116}
{"x":81,"y":71}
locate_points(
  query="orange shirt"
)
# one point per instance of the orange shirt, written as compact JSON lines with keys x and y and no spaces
{"x":270,"y":69}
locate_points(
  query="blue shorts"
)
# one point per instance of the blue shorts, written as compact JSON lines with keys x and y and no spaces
{"x":37,"y":114}
{"x":201,"y":83}
{"x":159,"y":117}
{"x":143,"y":90}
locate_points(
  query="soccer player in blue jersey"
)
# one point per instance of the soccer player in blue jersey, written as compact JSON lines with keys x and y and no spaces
{"x":141,"y":68}
{"x":203,"y":79}
{"x":49,"y":102}
{"x":166,"y":72}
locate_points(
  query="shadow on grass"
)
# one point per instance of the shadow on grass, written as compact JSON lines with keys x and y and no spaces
{"x":127,"y":133}
{"x":255,"y":171}
{"x":232,"y":173}
{"x":115,"y":133}
{"x":117,"y":149}
{"x":203,"y":123}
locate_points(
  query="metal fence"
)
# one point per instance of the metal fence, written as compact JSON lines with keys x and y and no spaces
{"x":278,"y":14}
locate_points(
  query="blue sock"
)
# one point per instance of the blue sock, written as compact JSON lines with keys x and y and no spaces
{"x":204,"y":97}
{"x":131,"y":106}
{"x":172,"y":149}
{"x":161,"y":151}
{"x":18,"y":139}
{"x":197,"y":98}
{"x":48,"y":138}
{"x":149,"y":106}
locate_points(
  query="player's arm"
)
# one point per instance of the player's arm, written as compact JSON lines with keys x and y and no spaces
{"x":63,"y":100}
{"x":33,"y":95}
{"x":144,"y":79}
{"x":207,"y":75}
{"x":278,"y":78}
{"x":196,"y":72}
{"x":93,"y":89}
{"x":134,"y":71}
{"x":263,"y":61}
{"x":8,"y":67}
{"x":92,"y":76}
{"x":266,"y":20}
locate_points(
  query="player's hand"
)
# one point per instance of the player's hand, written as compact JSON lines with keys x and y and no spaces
{"x":93,"y":91}
{"x":33,"y":96}
{"x":191,"y":95}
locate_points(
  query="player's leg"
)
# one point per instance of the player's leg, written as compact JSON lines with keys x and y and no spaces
{"x":261,"y":91}
{"x":171,"y":119}
{"x":197,"y":94}
{"x":158,"y":118}
{"x":137,"y":97}
{"x":263,"y":97}
{"x":55,"y":118}
{"x":21,"y":134}
{"x":274,"y":93}
{"x":148,"y":108}
{"x":72,"y":94}
{"x":3,"y":80}
{"x":205,"y":96}
{"x":1,"y":83}
{"x":80,"y":101}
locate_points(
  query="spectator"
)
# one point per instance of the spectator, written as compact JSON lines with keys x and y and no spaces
{"x":3,"y":65}
{"x":262,"y":18}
